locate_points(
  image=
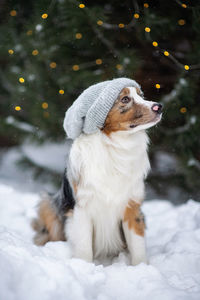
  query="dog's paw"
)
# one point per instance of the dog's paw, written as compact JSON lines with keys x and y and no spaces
{"x":137,"y":260}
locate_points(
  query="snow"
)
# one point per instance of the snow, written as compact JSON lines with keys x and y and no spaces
{"x":51,"y":157}
{"x":49,"y":272}
{"x":48,"y":155}
{"x":20,"y":125}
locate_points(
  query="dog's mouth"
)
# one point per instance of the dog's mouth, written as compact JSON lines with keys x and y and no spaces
{"x":155,"y":120}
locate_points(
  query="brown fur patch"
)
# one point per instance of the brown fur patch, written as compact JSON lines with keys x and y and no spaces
{"x":139,"y":92}
{"x":122,"y":116}
{"x":75,"y":187}
{"x":124,"y":92}
{"x":48,"y":226}
{"x":135,"y":218}
{"x":69,"y":213}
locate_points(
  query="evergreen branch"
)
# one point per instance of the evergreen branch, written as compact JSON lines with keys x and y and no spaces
{"x":101,"y":37}
{"x":181,"y":4}
{"x":195,"y":67}
{"x":105,"y":41}
{"x":51,"y":6}
{"x":179,"y":64}
{"x":99,"y":34}
{"x":116,"y":27}
{"x":5,"y":83}
{"x":126,"y":26}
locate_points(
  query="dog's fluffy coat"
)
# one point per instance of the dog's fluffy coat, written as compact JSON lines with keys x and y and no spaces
{"x":98,"y":209}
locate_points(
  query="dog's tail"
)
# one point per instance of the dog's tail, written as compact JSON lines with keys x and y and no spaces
{"x":48,"y":225}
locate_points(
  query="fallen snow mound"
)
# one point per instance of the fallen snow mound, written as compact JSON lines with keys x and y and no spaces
{"x":49,"y":272}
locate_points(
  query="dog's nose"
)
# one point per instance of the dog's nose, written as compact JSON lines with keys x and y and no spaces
{"x":157,"y":107}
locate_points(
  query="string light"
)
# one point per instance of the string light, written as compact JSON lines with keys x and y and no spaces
{"x":21,"y":80}
{"x":147,"y":29}
{"x":183,"y":110}
{"x":13,"y":13}
{"x":166,"y":53}
{"x":155,"y":44}
{"x":53,"y":65}
{"x":181,"y":22}
{"x":44,"y":16}
{"x":157,"y":85}
{"x":99,"y":22}
{"x":45,"y":105}
{"x":136,"y":16}
{"x":75,"y":67}
{"x":29,"y":32}
{"x":17,"y":108}
{"x":35,"y":52}
{"x":98,"y":61}
{"x":78,"y":36}
{"x":119,"y":67}
{"x":10,"y":51}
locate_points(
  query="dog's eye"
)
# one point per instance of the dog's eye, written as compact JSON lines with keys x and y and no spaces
{"x":125,"y":99}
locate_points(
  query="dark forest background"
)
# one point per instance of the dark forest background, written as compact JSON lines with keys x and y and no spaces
{"x":50,"y":51}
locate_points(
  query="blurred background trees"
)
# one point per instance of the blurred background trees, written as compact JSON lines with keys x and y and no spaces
{"x":51,"y":51}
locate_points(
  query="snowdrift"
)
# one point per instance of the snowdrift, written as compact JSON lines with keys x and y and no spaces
{"x":49,"y":272}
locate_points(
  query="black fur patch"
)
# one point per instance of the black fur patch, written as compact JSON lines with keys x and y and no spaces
{"x":64,"y":200}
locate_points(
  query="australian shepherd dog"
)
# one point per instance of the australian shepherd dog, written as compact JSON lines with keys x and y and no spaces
{"x":98,"y":209}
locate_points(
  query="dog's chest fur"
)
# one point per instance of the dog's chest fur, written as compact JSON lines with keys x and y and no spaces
{"x":109,"y":172}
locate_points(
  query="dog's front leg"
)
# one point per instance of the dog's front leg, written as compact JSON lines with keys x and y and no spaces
{"x":79,"y":233}
{"x":133,"y":226}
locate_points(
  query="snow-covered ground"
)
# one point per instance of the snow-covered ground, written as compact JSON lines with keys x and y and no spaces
{"x":51,"y":156}
{"x":49,"y":272}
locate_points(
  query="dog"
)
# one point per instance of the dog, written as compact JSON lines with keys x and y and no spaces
{"x":98,"y":209}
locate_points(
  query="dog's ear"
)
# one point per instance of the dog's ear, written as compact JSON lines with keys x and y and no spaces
{"x":139,"y":91}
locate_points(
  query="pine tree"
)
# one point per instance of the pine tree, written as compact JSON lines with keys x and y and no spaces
{"x":52,"y":50}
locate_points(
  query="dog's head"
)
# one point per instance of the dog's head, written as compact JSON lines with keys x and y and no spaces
{"x":131,"y":112}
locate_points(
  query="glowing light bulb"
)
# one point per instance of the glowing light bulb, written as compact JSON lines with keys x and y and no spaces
{"x":99,"y":61}
{"x":147,"y":29}
{"x":44,"y":16}
{"x":21,"y":80}
{"x":166,"y":53}
{"x":136,"y":16}
{"x":75,"y":67}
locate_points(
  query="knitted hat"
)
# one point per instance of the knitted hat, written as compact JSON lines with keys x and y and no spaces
{"x":89,"y":111}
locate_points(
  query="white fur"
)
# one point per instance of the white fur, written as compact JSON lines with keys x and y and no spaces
{"x":112,"y":172}
{"x":109,"y":171}
{"x":136,"y":245}
{"x":138,"y":99}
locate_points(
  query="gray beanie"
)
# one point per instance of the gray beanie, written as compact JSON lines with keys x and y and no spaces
{"x":89,"y":111}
